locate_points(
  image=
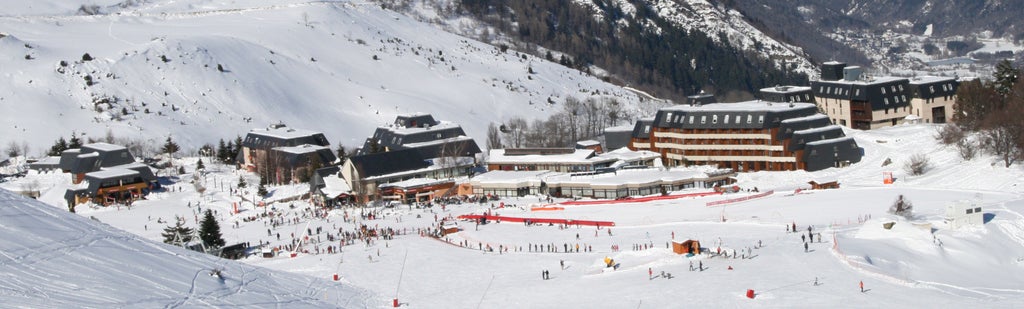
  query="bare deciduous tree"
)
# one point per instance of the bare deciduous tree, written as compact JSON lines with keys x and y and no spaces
{"x":917,"y":165}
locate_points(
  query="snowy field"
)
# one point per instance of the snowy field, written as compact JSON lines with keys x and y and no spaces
{"x":900,"y":267}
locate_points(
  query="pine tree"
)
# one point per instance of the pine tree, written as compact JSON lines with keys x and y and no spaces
{"x":199,"y":164}
{"x":209,"y":231}
{"x":262,"y":190}
{"x":74,"y":142}
{"x":179,"y":231}
{"x":58,"y":147}
{"x":1005,"y":76}
{"x":241,"y":182}
{"x":222,"y":151}
{"x":170,"y":147}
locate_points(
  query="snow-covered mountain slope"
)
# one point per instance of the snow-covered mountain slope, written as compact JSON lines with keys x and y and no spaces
{"x":202,"y":70}
{"x":50,"y":258}
{"x":703,"y":16}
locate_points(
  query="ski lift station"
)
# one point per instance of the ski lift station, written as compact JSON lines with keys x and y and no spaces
{"x":964,"y":213}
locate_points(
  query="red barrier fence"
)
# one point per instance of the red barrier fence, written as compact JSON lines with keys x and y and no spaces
{"x":740,"y":199}
{"x":640,"y":199}
{"x":539,"y":220}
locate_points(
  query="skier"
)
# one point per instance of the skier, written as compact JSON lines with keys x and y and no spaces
{"x":650,"y":273}
{"x":862,"y":286}
{"x":805,"y":247}
{"x":562,"y":263}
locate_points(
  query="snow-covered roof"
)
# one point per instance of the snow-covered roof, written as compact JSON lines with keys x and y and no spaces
{"x":786,"y":89}
{"x":920,"y":80}
{"x":805,"y":118}
{"x":412,"y":130}
{"x":283,"y":132}
{"x":870,"y":81}
{"x":746,"y":106}
{"x":108,"y":173}
{"x":414,"y":182}
{"x":818,"y":129}
{"x":511,"y":176}
{"x":438,"y":142}
{"x":301,"y":149}
{"x":578,"y":156}
{"x":460,"y":161}
{"x":830,"y":141}
{"x":104,"y":147}
{"x":89,"y":155}
{"x":624,"y":154}
{"x":335,"y":186}
{"x":624,"y":128}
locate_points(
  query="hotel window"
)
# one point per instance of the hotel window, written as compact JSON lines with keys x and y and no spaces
{"x":894,"y":88}
{"x":904,"y":98}
{"x":691,"y":119}
{"x":883,"y":90}
{"x":714,"y":118}
{"x":726,"y":119}
{"x":760,"y":119}
{"x":750,"y":118}
{"x":886,"y":100}
{"x":931,"y":89}
{"x":738,"y":118}
{"x":901,"y":87}
{"x":703,"y":119}
{"x":668,"y":117}
{"x":647,"y":129}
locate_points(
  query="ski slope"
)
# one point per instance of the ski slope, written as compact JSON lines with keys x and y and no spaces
{"x":50,"y":258}
{"x":904,"y":267}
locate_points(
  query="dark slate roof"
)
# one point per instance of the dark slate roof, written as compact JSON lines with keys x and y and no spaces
{"x":881,"y":93}
{"x":701,"y":99}
{"x":418,"y":131}
{"x":786,"y":94}
{"x":741,"y":115}
{"x":94,"y":156}
{"x":281,"y":136}
{"x":642,"y":129}
{"x":415,"y":120}
{"x":383,"y":163}
{"x":928,"y":87}
{"x":296,"y":159}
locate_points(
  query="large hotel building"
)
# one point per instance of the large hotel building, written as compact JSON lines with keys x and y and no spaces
{"x":747,"y":136}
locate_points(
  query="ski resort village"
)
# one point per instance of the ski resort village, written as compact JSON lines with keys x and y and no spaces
{"x":544,"y":188}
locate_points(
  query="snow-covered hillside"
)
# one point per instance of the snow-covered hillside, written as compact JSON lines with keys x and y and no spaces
{"x":50,"y":258}
{"x":202,"y":70}
{"x":703,"y":16}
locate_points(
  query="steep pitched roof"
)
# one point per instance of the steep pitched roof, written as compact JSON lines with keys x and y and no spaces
{"x":383,"y":163}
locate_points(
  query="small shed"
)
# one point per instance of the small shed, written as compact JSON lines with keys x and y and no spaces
{"x":964,"y":213}
{"x":685,"y":247}
{"x":450,"y":227}
{"x":824,"y":183}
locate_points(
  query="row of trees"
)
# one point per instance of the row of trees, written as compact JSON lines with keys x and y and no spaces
{"x":992,"y":111}
{"x":576,"y":121}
